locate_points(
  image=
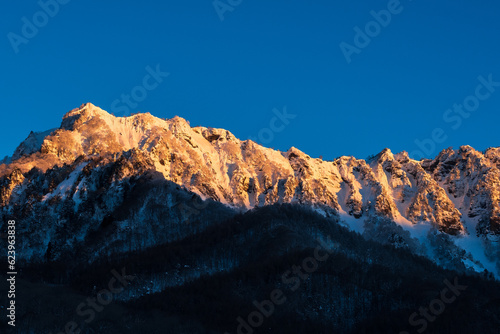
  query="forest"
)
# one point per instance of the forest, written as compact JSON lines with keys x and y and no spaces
{"x":210,"y":281}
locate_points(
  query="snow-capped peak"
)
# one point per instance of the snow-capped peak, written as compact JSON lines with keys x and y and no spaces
{"x":458,"y":192}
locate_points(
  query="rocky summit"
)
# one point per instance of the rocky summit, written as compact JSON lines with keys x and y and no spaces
{"x":90,"y":166}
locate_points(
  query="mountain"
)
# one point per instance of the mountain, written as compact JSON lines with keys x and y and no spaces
{"x":213,"y":280}
{"x":457,"y":193}
{"x":196,"y":214}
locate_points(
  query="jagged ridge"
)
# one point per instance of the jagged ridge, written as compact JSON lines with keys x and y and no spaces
{"x":458,"y":192}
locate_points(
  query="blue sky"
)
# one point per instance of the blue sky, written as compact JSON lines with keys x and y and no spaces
{"x":263,"y":56}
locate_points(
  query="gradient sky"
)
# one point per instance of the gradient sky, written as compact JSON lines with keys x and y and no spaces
{"x":232,"y":73}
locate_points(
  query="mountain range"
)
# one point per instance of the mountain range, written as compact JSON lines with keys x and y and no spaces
{"x":101,"y":186}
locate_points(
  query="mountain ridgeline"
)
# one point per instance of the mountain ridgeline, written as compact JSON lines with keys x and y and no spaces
{"x":445,"y":191}
{"x":207,"y":223}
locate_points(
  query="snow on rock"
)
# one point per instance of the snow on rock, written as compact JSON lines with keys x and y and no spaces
{"x":31,"y":144}
{"x":457,"y":193}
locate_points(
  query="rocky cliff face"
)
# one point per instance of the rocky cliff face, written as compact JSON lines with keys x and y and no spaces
{"x":458,"y":192}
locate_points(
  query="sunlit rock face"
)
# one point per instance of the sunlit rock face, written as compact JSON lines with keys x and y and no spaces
{"x":94,"y":150}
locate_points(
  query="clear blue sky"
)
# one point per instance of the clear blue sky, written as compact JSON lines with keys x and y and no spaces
{"x":263,"y":55}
